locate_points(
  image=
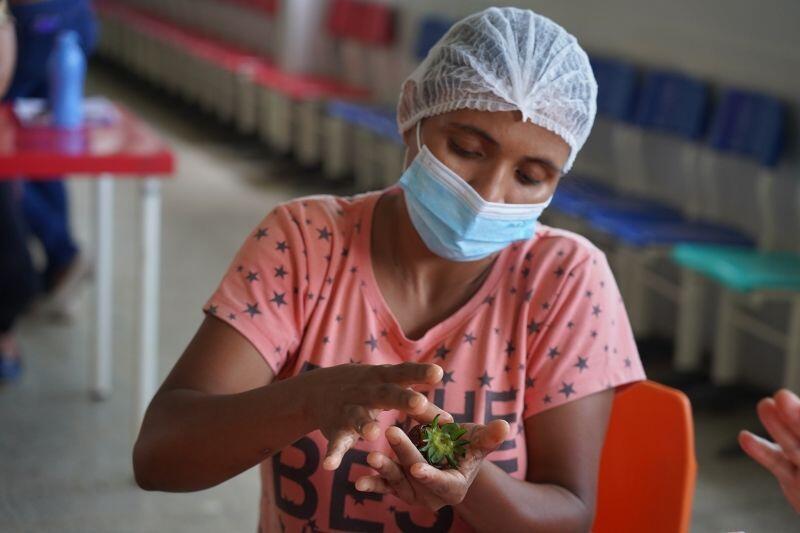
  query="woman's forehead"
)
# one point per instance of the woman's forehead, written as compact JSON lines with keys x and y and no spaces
{"x":507,"y":129}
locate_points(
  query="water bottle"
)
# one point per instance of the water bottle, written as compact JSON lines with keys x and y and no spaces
{"x":66,"y":71}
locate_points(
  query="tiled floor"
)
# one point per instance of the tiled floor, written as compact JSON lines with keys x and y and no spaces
{"x":65,"y":460}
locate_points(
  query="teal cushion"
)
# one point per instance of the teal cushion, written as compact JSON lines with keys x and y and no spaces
{"x":742,"y":269}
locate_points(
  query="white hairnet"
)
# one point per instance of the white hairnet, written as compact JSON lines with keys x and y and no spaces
{"x":506,"y":59}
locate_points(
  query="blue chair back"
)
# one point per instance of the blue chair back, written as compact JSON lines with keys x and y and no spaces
{"x":673,"y":103}
{"x":431,"y":29}
{"x":749,"y":124}
{"x":617,"y":84}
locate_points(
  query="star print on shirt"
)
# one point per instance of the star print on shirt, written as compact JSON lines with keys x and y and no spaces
{"x":489,"y":300}
{"x":567,"y":389}
{"x":231,"y":316}
{"x":212,"y":309}
{"x":530,"y":382}
{"x":252,"y":276}
{"x":596,"y":310}
{"x":534,"y":327}
{"x":373,"y":343}
{"x":581,"y":365}
{"x":278,"y":299}
{"x":559,"y":272}
{"x":553,"y":352}
{"x":261,"y":233}
{"x":547,"y":398}
{"x":469,"y":338}
{"x":442,"y":352}
{"x":252,"y":310}
{"x":486,"y":379}
{"x":510,"y":348}
{"x":447,"y":378}
{"x":282,"y":246}
{"x":324,"y":234}
{"x":280,"y":272}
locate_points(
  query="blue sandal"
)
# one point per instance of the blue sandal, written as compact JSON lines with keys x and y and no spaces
{"x":10,"y":368}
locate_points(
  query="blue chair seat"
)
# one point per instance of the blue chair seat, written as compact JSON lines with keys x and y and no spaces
{"x":742,"y":269}
{"x":584,"y":199}
{"x":638,"y":231}
{"x":375,"y":119}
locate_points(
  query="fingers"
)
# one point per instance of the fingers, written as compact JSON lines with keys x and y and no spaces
{"x":388,"y":396}
{"x":788,"y":405}
{"x":430,"y":412}
{"x":342,"y":441}
{"x":442,"y":483}
{"x":392,"y":474}
{"x":767,"y":454}
{"x":374,"y":484}
{"x":407,"y":453}
{"x":410,"y":373}
{"x":784,"y":437}
{"x":363,"y":422}
{"x":490,"y":436}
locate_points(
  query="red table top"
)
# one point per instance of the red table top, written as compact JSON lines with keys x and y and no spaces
{"x":128,"y":146}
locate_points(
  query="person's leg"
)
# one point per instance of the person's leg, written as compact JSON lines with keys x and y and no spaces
{"x":44,"y":206}
{"x":18,"y":280}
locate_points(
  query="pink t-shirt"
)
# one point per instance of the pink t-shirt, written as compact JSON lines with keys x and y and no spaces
{"x":547,"y":327}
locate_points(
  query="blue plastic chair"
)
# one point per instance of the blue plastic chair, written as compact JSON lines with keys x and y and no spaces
{"x":431,"y":29}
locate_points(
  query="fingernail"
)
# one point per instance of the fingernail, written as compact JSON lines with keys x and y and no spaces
{"x":393,"y":438}
{"x":415,"y":401}
{"x":361,"y":485}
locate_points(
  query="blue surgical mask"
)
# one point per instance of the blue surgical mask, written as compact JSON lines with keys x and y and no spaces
{"x":453,"y":220}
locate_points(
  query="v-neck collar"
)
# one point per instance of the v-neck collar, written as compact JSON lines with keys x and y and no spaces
{"x":437,"y":333}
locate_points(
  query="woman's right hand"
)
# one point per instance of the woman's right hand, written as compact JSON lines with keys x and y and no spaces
{"x":345,"y":400}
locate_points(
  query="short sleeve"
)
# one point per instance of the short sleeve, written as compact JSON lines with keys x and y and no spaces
{"x":583,"y":343}
{"x":263,"y":292}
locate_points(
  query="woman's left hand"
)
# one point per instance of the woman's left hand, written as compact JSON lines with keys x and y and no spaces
{"x":416,"y":482}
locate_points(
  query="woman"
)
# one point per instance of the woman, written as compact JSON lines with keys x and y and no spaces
{"x":441,"y":294}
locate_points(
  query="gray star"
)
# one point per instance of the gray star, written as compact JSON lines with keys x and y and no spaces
{"x":553,"y":352}
{"x":525,"y":272}
{"x":489,"y":300}
{"x":469,"y":338}
{"x":534,"y":327}
{"x":261,"y":233}
{"x":231,"y":316}
{"x":594,"y":333}
{"x":212,"y":309}
{"x":627,"y":362}
{"x":596,"y":310}
{"x":280,"y":272}
{"x":510,"y":348}
{"x":324,"y":233}
{"x":588,"y":294}
{"x":567,"y":389}
{"x":547,"y":399}
{"x":339,"y":318}
{"x":485,"y":379}
{"x":373,"y":343}
{"x":239,"y":268}
{"x":545,"y":306}
{"x":528,"y":256}
{"x":282,"y":246}
{"x":559,"y":272}
{"x":442,"y":352}
{"x":447,"y":378}
{"x":252,"y":276}
{"x":582,"y":363}
{"x":345,"y":252}
{"x":529,"y":382}
{"x":252,"y":310}
{"x":570,"y":324}
{"x":326,"y":339}
{"x":528,"y":295}
{"x":278,"y":299}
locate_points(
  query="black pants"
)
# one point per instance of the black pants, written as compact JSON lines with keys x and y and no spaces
{"x":19,"y":281}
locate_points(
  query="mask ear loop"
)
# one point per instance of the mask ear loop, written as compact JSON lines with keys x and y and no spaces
{"x":419,"y":144}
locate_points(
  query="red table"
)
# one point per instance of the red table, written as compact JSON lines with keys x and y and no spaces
{"x":127,"y":147}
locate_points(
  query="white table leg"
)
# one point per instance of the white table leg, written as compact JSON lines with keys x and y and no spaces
{"x":149,"y":309}
{"x":724,"y":363}
{"x":104,"y":291}
{"x":691,"y":322}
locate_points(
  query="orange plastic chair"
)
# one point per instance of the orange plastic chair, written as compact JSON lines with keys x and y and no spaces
{"x":648,"y":466}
